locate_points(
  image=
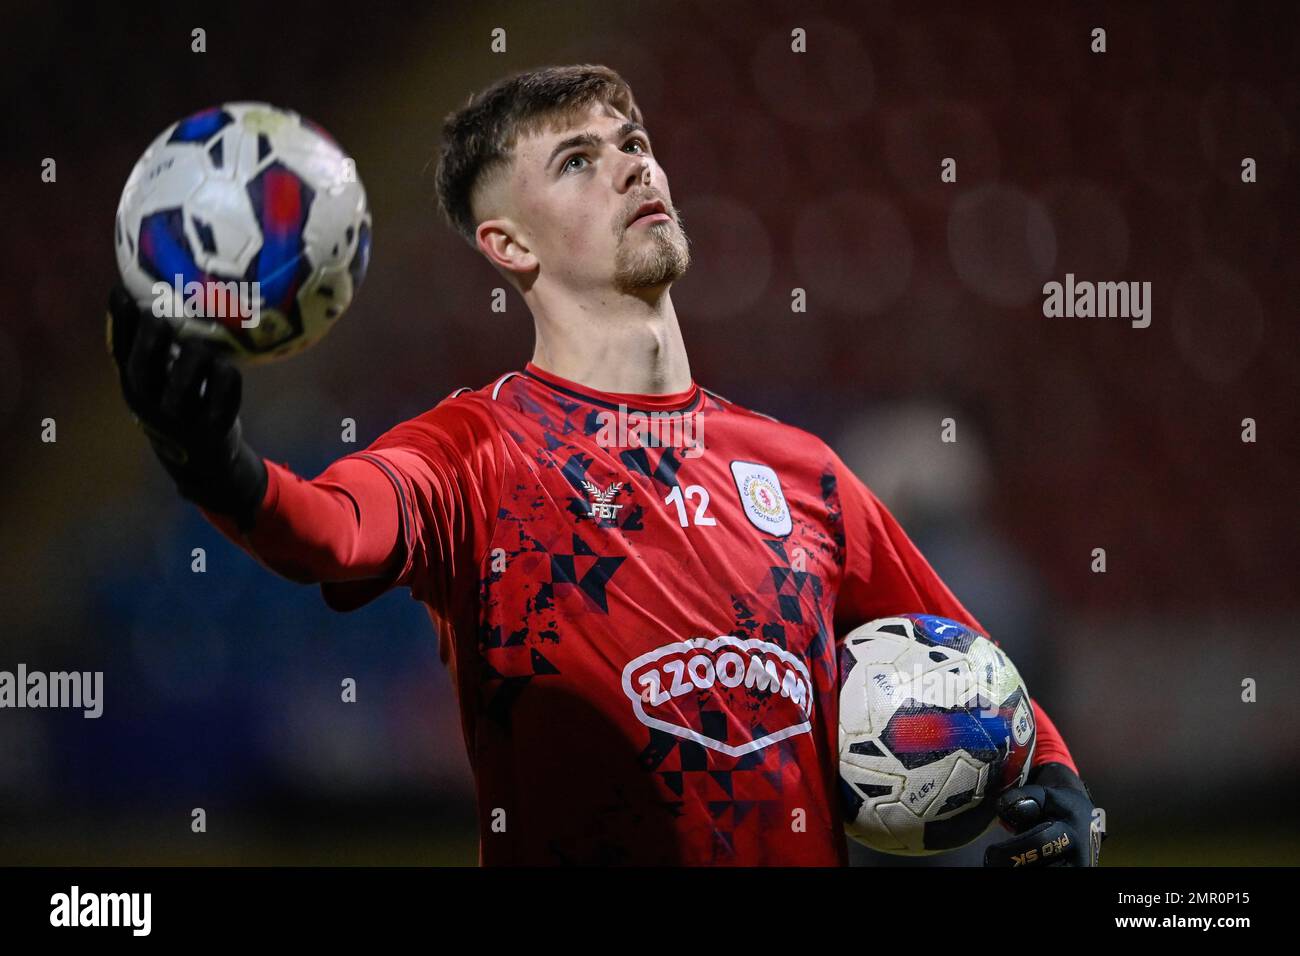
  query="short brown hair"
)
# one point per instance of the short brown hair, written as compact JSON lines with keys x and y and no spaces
{"x":480,"y":138}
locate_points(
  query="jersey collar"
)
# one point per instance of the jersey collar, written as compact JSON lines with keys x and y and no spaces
{"x":685,"y":400}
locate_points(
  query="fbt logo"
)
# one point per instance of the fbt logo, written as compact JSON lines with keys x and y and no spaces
{"x":602,"y":502}
{"x":719,"y":692}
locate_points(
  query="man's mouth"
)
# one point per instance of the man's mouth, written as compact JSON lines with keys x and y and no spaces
{"x":649,"y":212}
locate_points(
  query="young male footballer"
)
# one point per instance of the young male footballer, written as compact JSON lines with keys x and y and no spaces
{"x":642,"y":632}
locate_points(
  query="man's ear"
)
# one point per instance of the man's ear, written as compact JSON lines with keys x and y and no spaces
{"x":500,"y":241}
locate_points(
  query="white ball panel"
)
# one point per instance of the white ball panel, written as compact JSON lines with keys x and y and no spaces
{"x":326,"y":229}
{"x":224,"y":207}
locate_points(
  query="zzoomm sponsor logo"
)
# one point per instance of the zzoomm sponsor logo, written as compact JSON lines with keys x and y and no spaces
{"x":726,"y":693}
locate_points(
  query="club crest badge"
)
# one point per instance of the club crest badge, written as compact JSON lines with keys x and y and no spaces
{"x":762,"y":498}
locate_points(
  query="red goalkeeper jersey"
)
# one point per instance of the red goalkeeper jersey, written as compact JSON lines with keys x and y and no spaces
{"x":638,"y":598}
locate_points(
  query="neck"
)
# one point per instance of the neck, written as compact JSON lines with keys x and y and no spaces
{"x":615,"y":343}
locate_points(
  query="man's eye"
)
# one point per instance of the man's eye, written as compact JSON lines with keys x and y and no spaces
{"x":642,"y":145}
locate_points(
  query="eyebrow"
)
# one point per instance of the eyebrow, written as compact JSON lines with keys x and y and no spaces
{"x":592,"y":140}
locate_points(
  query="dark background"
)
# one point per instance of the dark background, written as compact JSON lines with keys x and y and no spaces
{"x":817,"y":171}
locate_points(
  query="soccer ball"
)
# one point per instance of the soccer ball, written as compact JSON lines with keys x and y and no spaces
{"x":935,"y":723}
{"x":247,"y":225}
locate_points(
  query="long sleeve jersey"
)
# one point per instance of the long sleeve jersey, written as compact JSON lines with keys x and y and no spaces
{"x":639,"y":599}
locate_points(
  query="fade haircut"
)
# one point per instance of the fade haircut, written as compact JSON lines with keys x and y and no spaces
{"x":478,"y":140}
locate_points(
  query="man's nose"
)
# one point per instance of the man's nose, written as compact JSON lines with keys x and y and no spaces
{"x":638,"y":173}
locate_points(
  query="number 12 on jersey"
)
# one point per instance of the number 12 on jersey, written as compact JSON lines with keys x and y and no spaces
{"x":678,"y":498}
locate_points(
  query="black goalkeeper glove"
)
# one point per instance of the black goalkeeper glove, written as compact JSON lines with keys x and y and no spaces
{"x":185,"y":395}
{"x":1052,"y":819}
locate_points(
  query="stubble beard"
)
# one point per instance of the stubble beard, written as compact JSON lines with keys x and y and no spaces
{"x":653,"y":260}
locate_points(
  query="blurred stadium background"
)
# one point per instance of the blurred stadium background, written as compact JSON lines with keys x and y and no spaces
{"x":816,"y":171}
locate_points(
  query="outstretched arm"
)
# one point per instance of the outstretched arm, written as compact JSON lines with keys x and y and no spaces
{"x":343,"y":525}
{"x":185,"y":394}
